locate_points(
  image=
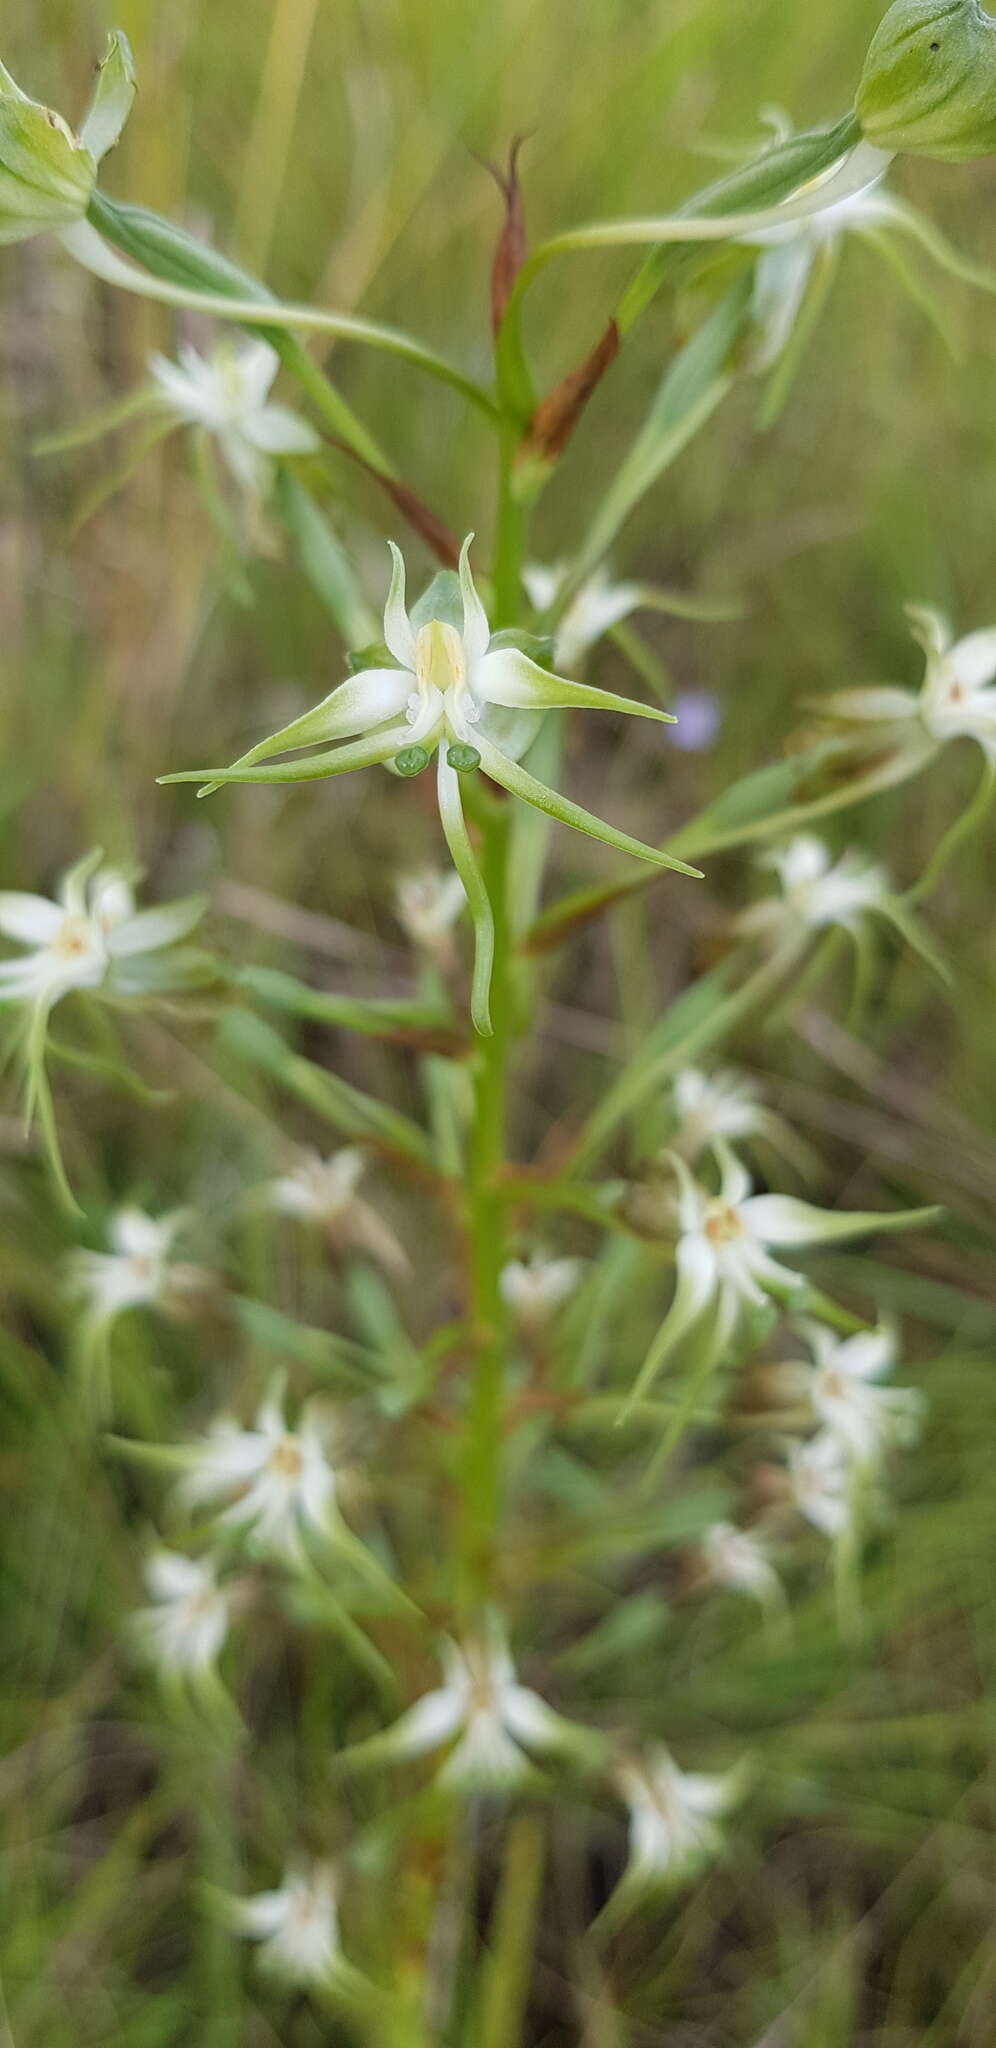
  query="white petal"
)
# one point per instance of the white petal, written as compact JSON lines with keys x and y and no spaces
{"x":528,"y":1717}
{"x":257,"y":365}
{"x":432,"y":1721}
{"x":398,"y":633}
{"x":275,"y":430}
{"x":785,"y":1220}
{"x":974,"y":659}
{"x":148,"y":930}
{"x":33,"y":920}
{"x":476,"y":631}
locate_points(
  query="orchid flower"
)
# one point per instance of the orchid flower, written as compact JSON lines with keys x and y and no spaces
{"x":139,"y":1271}
{"x":957,"y":699}
{"x":297,"y":1925}
{"x":184,"y":1630}
{"x":842,"y":1386}
{"x":818,"y":893}
{"x":799,"y":258}
{"x":723,"y":1259}
{"x":227,"y":396}
{"x":93,"y":938}
{"x":429,"y":903}
{"x":727,"y":1104}
{"x":456,"y":693}
{"x":277,"y":1482}
{"x":674,"y":1816}
{"x":735,"y":1559}
{"x":598,"y":604}
{"x":480,"y":1709}
{"x":536,"y":1287}
{"x":323,"y":1191}
{"x":819,"y":1483}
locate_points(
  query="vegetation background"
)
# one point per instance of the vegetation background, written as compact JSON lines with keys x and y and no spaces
{"x":334,"y":147}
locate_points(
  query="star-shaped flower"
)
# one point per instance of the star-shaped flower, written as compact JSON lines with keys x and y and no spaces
{"x":455,"y":692}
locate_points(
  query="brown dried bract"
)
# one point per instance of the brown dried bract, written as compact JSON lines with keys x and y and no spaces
{"x":557,"y":415}
{"x":511,"y":251}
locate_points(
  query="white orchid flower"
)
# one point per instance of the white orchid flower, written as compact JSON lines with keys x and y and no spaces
{"x":674,"y":1816}
{"x":536,"y":1287}
{"x":456,"y":694}
{"x":227,"y":395}
{"x":324,"y":1192}
{"x":598,"y":604}
{"x":819,"y":893}
{"x":297,"y":1925}
{"x":139,"y":1271}
{"x":277,"y":1482}
{"x":957,"y":699}
{"x":819,"y":1484}
{"x":92,"y":936}
{"x":491,"y":1721}
{"x":429,"y":903}
{"x":184,"y":1630}
{"x":842,"y":1386}
{"x":728,"y":1104}
{"x":735,"y":1559}
{"x":804,"y":251}
{"x":723,"y":1258}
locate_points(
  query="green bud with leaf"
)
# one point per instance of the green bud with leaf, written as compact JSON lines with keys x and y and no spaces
{"x":48,"y":174}
{"x":929,"y":82}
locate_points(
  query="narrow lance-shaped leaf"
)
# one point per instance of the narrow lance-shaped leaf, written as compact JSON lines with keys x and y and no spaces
{"x":517,"y":779}
{"x":462,"y":855}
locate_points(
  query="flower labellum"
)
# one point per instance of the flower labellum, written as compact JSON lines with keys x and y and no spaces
{"x":929,"y":82}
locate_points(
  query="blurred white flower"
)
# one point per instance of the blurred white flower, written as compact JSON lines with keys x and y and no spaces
{"x":278,"y":1482}
{"x":429,"y":903}
{"x":482,"y":1704}
{"x":185,"y":1628}
{"x":842,"y":1385}
{"x":324,"y":1192}
{"x":791,"y":253}
{"x":536,"y":1287}
{"x":728,"y":1104}
{"x":723,"y":1261}
{"x":139,"y":1270}
{"x":597,"y":605}
{"x":228,"y":396}
{"x":957,"y":699}
{"x":735,"y":1559}
{"x":817,"y":891}
{"x":297,"y":1925}
{"x":673,"y":1816}
{"x":820,"y":1484}
{"x":92,"y":936}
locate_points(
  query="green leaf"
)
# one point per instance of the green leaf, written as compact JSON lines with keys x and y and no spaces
{"x":349,"y":1110}
{"x":516,"y":779}
{"x":384,"y":1017}
{"x":113,"y":98}
{"x":691,"y":389}
{"x":324,"y":561}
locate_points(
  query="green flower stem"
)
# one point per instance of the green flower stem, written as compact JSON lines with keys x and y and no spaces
{"x":510,"y":538}
{"x":481,"y":1477}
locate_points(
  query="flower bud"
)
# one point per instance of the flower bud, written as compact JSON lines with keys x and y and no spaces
{"x":929,"y":82}
{"x":46,"y":174}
